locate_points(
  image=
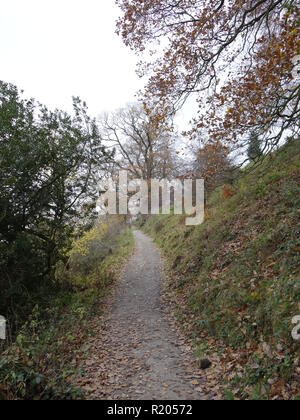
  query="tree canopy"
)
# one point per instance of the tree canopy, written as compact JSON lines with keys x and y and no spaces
{"x":146,"y":150}
{"x":239,"y":58}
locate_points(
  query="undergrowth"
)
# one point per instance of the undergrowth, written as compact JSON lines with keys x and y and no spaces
{"x":47,"y":351}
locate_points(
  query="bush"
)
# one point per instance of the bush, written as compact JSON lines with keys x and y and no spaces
{"x":47,"y":177}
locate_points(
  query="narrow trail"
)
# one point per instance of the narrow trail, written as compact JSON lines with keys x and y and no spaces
{"x":136,"y":353}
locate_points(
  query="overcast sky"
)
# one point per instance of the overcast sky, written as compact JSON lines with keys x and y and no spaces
{"x":54,"y":49}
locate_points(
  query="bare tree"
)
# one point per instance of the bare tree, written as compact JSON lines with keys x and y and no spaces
{"x":145,"y":150}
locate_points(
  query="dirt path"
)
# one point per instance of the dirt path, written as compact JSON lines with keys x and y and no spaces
{"x":136,"y":353}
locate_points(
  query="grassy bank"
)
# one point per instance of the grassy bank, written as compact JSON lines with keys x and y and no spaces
{"x":50,"y":346}
{"x":236,"y":278}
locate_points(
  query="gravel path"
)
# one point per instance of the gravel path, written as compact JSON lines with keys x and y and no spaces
{"x":136,"y":353}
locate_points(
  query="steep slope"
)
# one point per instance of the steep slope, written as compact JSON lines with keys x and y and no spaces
{"x":236,"y":278}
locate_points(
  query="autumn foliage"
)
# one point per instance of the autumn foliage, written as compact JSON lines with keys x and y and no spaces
{"x":212,"y":163}
{"x":237,"y":58}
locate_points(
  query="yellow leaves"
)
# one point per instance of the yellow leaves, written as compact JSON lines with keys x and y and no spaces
{"x":81,"y":245}
{"x":255,"y":295}
{"x":294,"y":32}
{"x":80,"y":313}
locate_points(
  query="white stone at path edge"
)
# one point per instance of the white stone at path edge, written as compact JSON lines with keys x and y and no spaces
{"x":2,"y":328}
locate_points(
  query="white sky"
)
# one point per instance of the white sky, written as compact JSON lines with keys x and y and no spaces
{"x":56,"y":49}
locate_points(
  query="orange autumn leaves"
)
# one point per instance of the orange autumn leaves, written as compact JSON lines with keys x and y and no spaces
{"x":264,"y":98}
{"x":235,"y":56}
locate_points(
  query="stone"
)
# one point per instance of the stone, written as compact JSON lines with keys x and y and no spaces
{"x":205,"y":364}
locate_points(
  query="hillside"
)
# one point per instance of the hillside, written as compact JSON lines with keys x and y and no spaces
{"x":235,"y":279}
